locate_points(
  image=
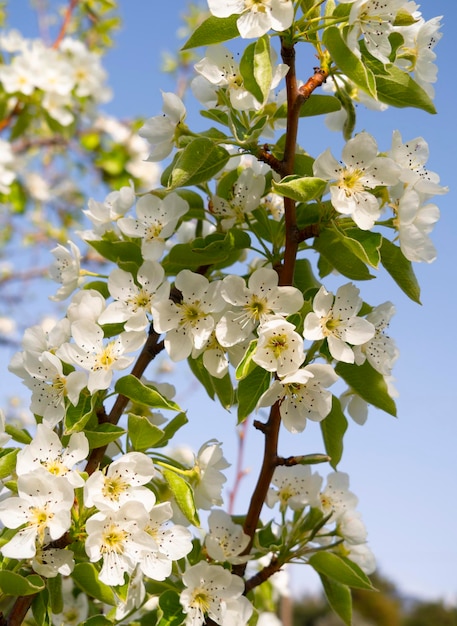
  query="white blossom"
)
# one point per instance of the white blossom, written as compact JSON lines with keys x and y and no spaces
{"x":336,"y":497}
{"x":257,"y":16}
{"x":188,"y":322}
{"x":133,"y":299}
{"x":279,"y":347}
{"x":172,"y":542}
{"x":121,"y":482}
{"x":294,"y":487}
{"x":156,"y":221}
{"x":209,"y":588}
{"x":104,"y":215}
{"x":99,"y":358}
{"x":53,"y":561}
{"x":335,"y":318}
{"x":253,"y":304}
{"x":302,"y":395}
{"x":42,"y":510}
{"x":380,"y":351}
{"x":46,"y":450}
{"x":245,"y":197}
{"x":66,"y":269}
{"x":362,"y":170}
{"x":118,"y":538}
{"x":226,"y":540}
{"x":412,"y":156}
{"x":414,"y":221}
{"x":209,"y":479}
{"x":161,"y":130}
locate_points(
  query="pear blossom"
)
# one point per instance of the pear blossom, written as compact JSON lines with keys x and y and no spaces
{"x":7,"y":173}
{"x":86,"y":70}
{"x":209,"y":588}
{"x":118,"y":537}
{"x":279,"y":348}
{"x":336,"y":497}
{"x":209,"y":479}
{"x":245,"y":197}
{"x":226,"y":540}
{"x":104,"y":215}
{"x":220,"y":70}
{"x":361,"y":171}
{"x":133,"y":301}
{"x":156,"y":220}
{"x":42,"y":510}
{"x":360,"y":554}
{"x":53,"y":561}
{"x":412,"y":156}
{"x":98,"y":358}
{"x":414,"y":221}
{"x":122,"y":482}
{"x":253,"y":304}
{"x":86,"y":304}
{"x":302,"y":395}
{"x":188,"y":322}
{"x":162,"y":130}
{"x":351,"y":527}
{"x":66,"y":269}
{"x":294,"y":487}
{"x":172,"y":542}
{"x":46,"y":450}
{"x":374,"y":20}
{"x":51,"y":387}
{"x":380,"y":351}
{"x":335,"y":318}
{"x":4,"y":437}
{"x":257,"y":16}
{"x":356,"y":406}
{"x":417,"y":55}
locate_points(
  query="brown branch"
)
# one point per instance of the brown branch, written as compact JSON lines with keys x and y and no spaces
{"x":6,"y":121}
{"x":303,"y":459}
{"x":65,"y":24}
{"x":264,"y":574}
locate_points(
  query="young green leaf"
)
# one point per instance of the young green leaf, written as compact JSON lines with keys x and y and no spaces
{"x":333,"y":428}
{"x":131,"y":387}
{"x":368,"y":384}
{"x":400,"y":269}
{"x":200,"y":160}
{"x":340,"y":569}
{"x":213,"y":30}
{"x":183,"y":494}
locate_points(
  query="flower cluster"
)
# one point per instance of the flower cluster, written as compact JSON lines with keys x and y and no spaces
{"x":62,"y":74}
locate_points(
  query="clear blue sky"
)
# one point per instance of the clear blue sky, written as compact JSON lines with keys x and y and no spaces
{"x":403,"y":470}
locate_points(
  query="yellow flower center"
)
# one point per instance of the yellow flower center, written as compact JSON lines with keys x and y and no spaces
{"x":113,"y":539}
{"x":114,"y":487}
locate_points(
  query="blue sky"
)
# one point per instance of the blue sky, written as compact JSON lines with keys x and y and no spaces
{"x":403,"y":470}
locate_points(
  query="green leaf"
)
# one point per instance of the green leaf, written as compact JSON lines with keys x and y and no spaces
{"x":400,"y":269}
{"x":142,"y":433}
{"x":98,"y":620}
{"x":183,"y":494}
{"x":224,"y":390}
{"x":12,"y":584}
{"x":85,"y":576}
{"x":332,"y":249}
{"x":255,"y":68}
{"x":368,"y":384}
{"x":333,"y":428}
{"x":54,"y":586}
{"x":77,"y":417}
{"x":316,"y":104}
{"x":8,"y":462}
{"x":301,"y":189}
{"x":246,"y":365}
{"x":213,"y":30}
{"x":366,"y":245}
{"x":170,"y":609}
{"x":347,"y":61}
{"x":304,"y":278}
{"x":118,"y":251}
{"x":340,"y":569}
{"x":250,"y":388}
{"x":200,"y":160}
{"x":395,"y":87}
{"x":18,"y":434}
{"x":217,"y":249}
{"x":103,"y":434}
{"x":131,"y":387}
{"x":172,"y":428}
{"x":339,"y":598}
